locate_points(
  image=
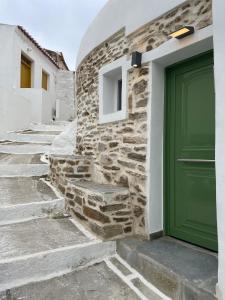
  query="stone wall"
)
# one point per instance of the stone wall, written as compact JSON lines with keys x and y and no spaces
{"x":65,"y":95}
{"x":119,"y":149}
{"x":63,"y":168}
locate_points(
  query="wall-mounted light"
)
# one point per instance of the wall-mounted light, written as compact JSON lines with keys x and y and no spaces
{"x":182,"y":32}
{"x":136,"y":59}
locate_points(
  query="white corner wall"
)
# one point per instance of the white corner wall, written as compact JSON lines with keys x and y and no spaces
{"x":14,"y":112}
{"x":65,"y":95}
{"x":219,"y":69}
{"x":7,"y":68}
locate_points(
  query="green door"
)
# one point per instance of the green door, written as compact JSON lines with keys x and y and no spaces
{"x":190,"y":152}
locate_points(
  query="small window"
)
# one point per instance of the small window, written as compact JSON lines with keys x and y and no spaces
{"x":25,"y":72}
{"x":112,"y":92}
{"x":44,"y":80}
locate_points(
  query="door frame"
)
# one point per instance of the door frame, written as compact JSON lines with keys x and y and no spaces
{"x":167,"y":54}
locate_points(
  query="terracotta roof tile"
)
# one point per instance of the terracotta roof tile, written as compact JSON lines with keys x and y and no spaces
{"x":37,"y":45}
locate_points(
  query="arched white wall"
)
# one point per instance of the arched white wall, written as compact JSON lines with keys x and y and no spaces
{"x":117,"y":14}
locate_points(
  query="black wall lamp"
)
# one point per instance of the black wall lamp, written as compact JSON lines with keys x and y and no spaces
{"x":182,"y":32}
{"x":136,"y":59}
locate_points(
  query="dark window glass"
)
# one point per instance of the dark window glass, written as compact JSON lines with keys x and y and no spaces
{"x":119,"y":95}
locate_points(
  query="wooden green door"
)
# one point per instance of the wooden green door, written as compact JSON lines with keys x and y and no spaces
{"x":190,"y":198}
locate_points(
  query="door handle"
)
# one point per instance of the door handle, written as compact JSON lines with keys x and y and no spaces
{"x":196,"y":160}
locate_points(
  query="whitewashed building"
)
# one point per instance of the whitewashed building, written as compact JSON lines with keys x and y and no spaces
{"x":32,"y":89}
{"x":150,"y":86}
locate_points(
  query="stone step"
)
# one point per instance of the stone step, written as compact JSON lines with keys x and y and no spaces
{"x":6,"y":158}
{"x":110,"y":279}
{"x":23,"y":170}
{"x":30,"y":137}
{"x":94,"y":282}
{"x":24,"y":148}
{"x":178,"y":269}
{"x":38,"y":133}
{"x":44,"y":248}
{"x":53,"y":127}
{"x":25,"y":198}
{"x":105,"y":209}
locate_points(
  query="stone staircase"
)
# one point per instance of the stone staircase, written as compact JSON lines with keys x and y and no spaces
{"x":44,"y":254}
{"x":38,"y":240}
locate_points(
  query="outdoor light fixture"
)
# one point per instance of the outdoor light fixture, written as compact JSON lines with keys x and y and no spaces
{"x":182,"y":32}
{"x":136,"y":59}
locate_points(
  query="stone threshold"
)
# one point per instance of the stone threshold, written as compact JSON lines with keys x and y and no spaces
{"x":180,"y":270}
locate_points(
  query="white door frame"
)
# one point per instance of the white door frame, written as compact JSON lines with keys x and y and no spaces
{"x":167,"y":54}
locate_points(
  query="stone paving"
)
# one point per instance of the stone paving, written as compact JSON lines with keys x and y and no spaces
{"x":95,"y":282}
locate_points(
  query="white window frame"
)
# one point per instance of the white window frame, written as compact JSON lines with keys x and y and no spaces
{"x":118,"y":115}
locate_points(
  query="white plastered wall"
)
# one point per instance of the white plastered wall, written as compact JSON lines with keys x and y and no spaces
{"x":39,"y":62}
{"x":13,"y":105}
{"x":42,"y":103}
{"x":65,"y":95}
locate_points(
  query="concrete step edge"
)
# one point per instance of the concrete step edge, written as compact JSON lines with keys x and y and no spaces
{"x":45,"y":265}
{"x":28,"y":211}
{"x":23,"y":170}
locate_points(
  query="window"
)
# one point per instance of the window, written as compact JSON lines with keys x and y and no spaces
{"x":25,"y":75}
{"x":44,"y":80}
{"x":112,"y":92}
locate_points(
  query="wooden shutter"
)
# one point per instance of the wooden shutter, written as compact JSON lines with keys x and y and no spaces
{"x":44,"y":80}
{"x":25,"y":76}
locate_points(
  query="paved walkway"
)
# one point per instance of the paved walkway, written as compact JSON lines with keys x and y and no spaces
{"x":43,"y":253}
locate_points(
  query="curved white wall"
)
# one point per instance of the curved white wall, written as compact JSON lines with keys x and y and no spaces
{"x":117,"y":14}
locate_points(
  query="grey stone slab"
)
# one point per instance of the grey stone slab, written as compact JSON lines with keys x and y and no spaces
{"x":189,"y":262}
{"x":15,"y":143}
{"x":45,"y":132}
{"x":38,"y":235}
{"x":24,"y":148}
{"x":95,"y":282}
{"x":120,"y":266}
{"x":180,"y":270}
{"x":145,"y":290}
{"x":20,"y":190}
{"x":7,"y":158}
{"x":97,"y":187}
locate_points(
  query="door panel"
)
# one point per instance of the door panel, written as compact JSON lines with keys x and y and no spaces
{"x":190,"y":152}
